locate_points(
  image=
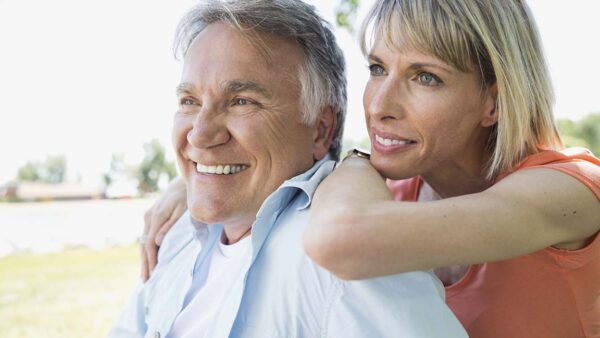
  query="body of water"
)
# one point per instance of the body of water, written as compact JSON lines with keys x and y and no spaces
{"x":53,"y":226}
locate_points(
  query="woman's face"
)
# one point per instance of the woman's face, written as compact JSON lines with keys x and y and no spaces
{"x":424,"y":116}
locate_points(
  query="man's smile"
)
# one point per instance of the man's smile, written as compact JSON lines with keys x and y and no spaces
{"x":220,"y":169}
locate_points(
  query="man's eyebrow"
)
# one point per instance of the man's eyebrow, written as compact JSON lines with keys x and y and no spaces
{"x":228,"y":87}
{"x":237,"y":86}
{"x":184,"y":88}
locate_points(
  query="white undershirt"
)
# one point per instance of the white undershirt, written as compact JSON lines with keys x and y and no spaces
{"x":228,"y":265}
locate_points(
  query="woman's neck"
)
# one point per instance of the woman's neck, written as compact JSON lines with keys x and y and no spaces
{"x":456,"y":186}
{"x":456,"y":179}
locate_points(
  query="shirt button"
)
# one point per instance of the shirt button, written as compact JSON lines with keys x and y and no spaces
{"x":146,"y":310}
{"x":156,"y":334}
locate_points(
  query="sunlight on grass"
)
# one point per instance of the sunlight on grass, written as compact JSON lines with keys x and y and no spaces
{"x":75,"y":293}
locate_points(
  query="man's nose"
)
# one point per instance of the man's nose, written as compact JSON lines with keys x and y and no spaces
{"x":208,"y":129}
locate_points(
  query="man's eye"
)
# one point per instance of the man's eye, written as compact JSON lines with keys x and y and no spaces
{"x":428,"y":79}
{"x":186,"y":102}
{"x":240,"y":102}
{"x":376,"y":70}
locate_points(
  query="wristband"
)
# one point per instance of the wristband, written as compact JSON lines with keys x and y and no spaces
{"x":357,"y":153}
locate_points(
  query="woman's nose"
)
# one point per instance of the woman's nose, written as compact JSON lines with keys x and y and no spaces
{"x":382,"y":99}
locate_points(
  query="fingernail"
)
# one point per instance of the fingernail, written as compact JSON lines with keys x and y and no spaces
{"x":159,"y":238}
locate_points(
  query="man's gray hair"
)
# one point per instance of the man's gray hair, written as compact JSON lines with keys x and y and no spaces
{"x":322,"y":78}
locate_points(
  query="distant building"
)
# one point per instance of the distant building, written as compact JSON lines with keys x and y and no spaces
{"x":36,"y":191}
{"x":122,"y":186}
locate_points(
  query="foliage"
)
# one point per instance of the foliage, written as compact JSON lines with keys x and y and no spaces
{"x":364,"y":144}
{"x":345,"y":14}
{"x":52,"y":170}
{"x":117,"y":166}
{"x":583,"y":133}
{"x":153,"y":166}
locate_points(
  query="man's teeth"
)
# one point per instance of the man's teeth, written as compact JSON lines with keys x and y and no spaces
{"x":389,"y":142}
{"x":220,"y":169}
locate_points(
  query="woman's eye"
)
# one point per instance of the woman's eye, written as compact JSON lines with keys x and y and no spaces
{"x":428,"y":79}
{"x":376,"y":70}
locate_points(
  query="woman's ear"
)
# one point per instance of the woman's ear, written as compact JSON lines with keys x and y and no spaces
{"x":490,"y":111}
{"x":323,"y":132}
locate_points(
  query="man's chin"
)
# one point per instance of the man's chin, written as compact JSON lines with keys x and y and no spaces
{"x":205,"y":211}
{"x":204,"y":216}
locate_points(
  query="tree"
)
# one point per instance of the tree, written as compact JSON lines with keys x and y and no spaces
{"x":153,"y":166}
{"x":583,"y":133}
{"x":589,"y":129}
{"x":348,"y":144}
{"x":117,"y":166}
{"x":52,"y":170}
{"x":345,"y":14}
{"x":29,"y":172}
{"x":55,"y":169}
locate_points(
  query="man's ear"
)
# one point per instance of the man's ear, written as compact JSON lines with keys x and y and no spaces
{"x":323,"y":132}
{"x":490,"y":111}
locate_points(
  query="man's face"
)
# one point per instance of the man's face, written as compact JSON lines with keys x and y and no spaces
{"x":238,"y":132}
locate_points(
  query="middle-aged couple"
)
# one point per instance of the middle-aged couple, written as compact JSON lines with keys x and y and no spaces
{"x":458,"y":106}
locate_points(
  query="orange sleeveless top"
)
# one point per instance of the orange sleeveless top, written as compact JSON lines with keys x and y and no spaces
{"x":550,"y":293}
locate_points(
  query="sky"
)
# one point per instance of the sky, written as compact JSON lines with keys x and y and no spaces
{"x":87,"y":79}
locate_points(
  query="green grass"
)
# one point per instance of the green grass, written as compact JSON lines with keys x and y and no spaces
{"x":75,"y":293}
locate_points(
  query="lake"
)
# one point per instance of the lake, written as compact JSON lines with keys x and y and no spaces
{"x":53,"y":226}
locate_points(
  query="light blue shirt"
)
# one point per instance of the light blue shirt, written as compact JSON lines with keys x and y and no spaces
{"x":285,"y":294}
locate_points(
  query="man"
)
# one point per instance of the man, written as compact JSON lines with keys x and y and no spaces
{"x":261,"y":105}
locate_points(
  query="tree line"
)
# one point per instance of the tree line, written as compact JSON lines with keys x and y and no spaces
{"x":148,"y":172}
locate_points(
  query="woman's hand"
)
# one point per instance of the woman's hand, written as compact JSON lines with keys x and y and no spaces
{"x":158,"y":220}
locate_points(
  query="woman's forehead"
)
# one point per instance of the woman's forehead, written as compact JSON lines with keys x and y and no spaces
{"x":419,"y":30}
{"x":405,"y":49}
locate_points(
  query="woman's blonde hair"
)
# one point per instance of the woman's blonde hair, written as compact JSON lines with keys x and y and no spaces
{"x":497,"y":37}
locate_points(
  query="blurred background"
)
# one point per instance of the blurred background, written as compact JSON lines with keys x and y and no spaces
{"x":87,"y":95}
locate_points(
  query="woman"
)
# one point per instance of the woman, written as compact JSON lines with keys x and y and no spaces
{"x":459,"y":111}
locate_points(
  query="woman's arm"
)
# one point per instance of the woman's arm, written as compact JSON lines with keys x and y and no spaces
{"x":357,"y":231}
{"x":158,"y":220}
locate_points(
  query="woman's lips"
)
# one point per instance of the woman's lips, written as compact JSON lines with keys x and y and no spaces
{"x":386,"y":144}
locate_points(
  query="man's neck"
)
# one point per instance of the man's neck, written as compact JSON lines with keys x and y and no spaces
{"x":234,"y":235}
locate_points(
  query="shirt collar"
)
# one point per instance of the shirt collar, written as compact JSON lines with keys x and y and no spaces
{"x":308,"y":181}
{"x":203,"y":232}
{"x":304,"y":184}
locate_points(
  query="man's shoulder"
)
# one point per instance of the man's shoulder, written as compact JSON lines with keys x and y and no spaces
{"x":181,"y":235}
{"x":308,"y":181}
{"x":282,"y":252}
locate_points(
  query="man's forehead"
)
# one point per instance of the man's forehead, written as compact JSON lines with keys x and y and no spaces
{"x":269,"y":48}
{"x":229,"y":86}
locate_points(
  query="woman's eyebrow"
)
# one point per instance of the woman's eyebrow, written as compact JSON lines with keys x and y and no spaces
{"x":374,"y":58}
{"x":420,"y":65}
